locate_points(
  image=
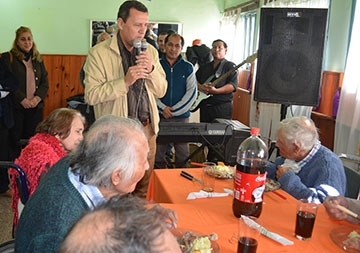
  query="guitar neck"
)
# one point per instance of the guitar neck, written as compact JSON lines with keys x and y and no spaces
{"x":228,"y":73}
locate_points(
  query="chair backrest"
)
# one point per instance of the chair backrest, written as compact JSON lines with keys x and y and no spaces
{"x":352,"y":183}
{"x":21,"y":181}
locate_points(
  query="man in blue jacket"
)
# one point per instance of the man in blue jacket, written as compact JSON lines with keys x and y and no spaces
{"x":180,"y":95}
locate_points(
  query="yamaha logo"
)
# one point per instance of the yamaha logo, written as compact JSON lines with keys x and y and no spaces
{"x":216,"y":132}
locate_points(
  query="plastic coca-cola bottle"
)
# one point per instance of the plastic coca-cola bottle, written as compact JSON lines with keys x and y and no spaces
{"x":250,"y":177}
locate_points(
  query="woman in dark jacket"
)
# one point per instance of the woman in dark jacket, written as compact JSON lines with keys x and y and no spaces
{"x":27,"y":65}
{"x":8,"y":83}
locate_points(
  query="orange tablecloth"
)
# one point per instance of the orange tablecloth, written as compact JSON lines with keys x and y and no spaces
{"x":215,"y":214}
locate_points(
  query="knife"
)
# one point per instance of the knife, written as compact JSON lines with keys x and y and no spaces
{"x":276,"y":237}
{"x":190,"y":177}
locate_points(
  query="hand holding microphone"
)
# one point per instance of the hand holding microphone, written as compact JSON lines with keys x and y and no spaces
{"x":142,"y":56}
{"x":140,"y":46}
{"x":143,"y":63}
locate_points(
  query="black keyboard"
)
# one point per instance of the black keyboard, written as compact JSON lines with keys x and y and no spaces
{"x":194,"y":132}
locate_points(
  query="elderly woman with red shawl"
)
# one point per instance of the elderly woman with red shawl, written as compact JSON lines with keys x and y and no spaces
{"x":57,"y":135}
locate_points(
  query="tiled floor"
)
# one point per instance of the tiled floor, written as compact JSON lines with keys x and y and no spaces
{"x":6,"y":217}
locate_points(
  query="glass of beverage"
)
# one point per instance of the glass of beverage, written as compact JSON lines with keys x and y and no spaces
{"x":208,"y":180}
{"x":305,"y":219}
{"x":249,"y":233}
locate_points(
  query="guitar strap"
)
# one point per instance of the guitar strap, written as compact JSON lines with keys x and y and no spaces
{"x":218,"y":72}
{"x":220,"y":68}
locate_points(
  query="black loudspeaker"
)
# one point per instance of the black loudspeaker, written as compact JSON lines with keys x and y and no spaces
{"x":290,"y":55}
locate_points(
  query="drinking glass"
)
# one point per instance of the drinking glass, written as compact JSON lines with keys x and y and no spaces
{"x":249,"y":233}
{"x":305,"y":219}
{"x":208,"y":180}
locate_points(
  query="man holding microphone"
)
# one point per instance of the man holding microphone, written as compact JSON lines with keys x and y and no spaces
{"x":122,"y":83}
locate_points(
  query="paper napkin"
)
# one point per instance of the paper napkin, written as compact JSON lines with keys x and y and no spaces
{"x":203,"y":194}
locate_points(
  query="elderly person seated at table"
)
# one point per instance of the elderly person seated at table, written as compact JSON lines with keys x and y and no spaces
{"x":331,"y":205}
{"x":56,"y":136}
{"x":121,"y":225}
{"x":109,"y":162}
{"x":306,"y":169}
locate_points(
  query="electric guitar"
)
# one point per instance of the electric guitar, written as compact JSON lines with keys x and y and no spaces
{"x":202,"y":96}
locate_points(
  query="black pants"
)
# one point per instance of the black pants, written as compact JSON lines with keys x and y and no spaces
{"x":208,"y":113}
{"x":26,"y":121}
{"x":4,"y":156}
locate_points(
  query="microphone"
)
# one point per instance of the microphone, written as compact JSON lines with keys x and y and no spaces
{"x":144,"y":45}
{"x":137,"y":46}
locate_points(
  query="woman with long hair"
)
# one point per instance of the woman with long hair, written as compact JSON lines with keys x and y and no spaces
{"x":28,"y":66}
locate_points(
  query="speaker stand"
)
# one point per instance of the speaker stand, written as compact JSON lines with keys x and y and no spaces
{"x":283,"y":111}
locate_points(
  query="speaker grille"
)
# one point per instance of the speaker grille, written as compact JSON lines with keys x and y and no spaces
{"x":290,"y":54}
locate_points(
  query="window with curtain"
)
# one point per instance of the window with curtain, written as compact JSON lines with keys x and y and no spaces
{"x":238,"y":31}
{"x":347,"y":128}
{"x":248,"y":24}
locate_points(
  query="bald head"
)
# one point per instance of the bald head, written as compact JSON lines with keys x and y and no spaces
{"x":90,"y":232}
{"x":120,"y":225}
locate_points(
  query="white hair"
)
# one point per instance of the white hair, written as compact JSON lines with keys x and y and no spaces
{"x":301,"y":131}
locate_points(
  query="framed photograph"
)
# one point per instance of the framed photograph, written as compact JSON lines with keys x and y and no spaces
{"x":110,"y":26}
{"x":159,"y":27}
{"x":99,"y":26}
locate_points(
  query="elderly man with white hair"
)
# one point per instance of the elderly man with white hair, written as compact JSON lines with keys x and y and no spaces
{"x":109,"y":162}
{"x":306,"y":169}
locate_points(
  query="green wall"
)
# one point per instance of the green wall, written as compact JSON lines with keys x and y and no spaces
{"x":63,"y":27}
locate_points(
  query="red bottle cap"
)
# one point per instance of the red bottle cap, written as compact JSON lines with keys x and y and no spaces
{"x":255,"y":131}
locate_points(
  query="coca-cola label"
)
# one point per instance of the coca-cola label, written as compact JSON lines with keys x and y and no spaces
{"x":249,"y":188}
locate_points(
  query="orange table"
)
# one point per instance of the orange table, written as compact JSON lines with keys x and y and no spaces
{"x":215,"y":214}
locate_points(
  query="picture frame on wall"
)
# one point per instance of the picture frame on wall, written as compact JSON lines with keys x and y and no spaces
{"x":159,"y":27}
{"x":99,"y":26}
{"x":111,"y":27}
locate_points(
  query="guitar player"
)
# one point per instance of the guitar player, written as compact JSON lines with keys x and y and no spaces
{"x":219,"y":102}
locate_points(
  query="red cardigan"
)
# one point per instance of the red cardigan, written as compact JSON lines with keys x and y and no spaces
{"x":42,"y":152}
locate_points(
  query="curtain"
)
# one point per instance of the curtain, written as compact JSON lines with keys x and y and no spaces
{"x":347,"y":128}
{"x":230,"y":32}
